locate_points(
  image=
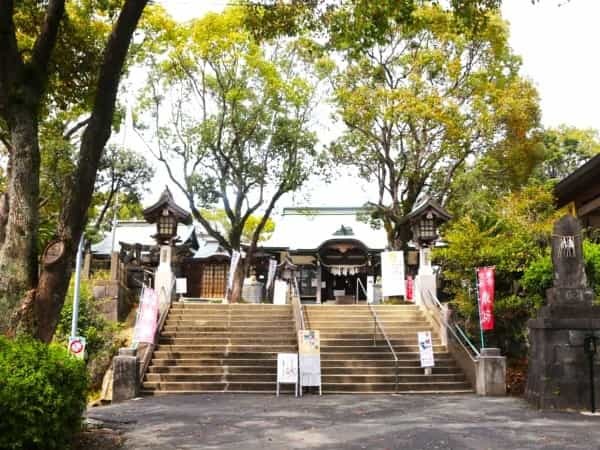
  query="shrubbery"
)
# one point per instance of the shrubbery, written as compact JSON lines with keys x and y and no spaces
{"x":101,"y":334}
{"x":42,"y":395}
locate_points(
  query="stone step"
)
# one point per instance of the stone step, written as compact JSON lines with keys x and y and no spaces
{"x":326,"y":348}
{"x":390,"y":377}
{"x":220,"y":369}
{"x":365,"y":341}
{"x":421,"y":386}
{"x":372,"y":355}
{"x":267,"y":354}
{"x":258,"y":340}
{"x":250,"y":335}
{"x":209,"y":386}
{"x":212,"y":348}
{"x":265,"y":329}
{"x":231,"y":323}
{"x":441,"y":361}
{"x":213,"y":362}
{"x":215,"y":378}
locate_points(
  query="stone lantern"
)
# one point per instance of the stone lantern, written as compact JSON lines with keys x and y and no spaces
{"x":166,"y":214}
{"x":425,"y":219}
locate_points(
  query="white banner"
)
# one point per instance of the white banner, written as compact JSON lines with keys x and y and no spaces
{"x":271,"y":274}
{"x":425,"y":348}
{"x":280,"y":292}
{"x":392,"y":274}
{"x":370,"y":289}
{"x":235,"y":259}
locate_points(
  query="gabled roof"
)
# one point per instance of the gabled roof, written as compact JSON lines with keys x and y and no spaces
{"x":306,"y":228}
{"x":427,"y":203}
{"x":139,"y":232}
{"x":152,"y":213}
{"x":578,"y":181}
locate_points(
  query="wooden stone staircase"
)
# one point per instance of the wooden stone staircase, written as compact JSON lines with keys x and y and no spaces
{"x":351,"y":363}
{"x":220,"y":348}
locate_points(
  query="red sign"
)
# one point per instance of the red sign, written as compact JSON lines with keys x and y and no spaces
{"x":409,"y":288}
{"x":485,"y":280}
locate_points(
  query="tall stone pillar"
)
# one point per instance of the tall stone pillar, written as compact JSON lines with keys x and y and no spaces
{"x":558,"y":374}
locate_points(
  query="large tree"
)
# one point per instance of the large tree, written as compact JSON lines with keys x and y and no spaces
{"x":31,"y":84}
{"x":231,"y":123}
{"x":424,"y":101}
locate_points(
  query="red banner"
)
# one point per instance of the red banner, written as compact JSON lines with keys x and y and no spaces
{"x":409,"y":288}
{"x":485,"y":281}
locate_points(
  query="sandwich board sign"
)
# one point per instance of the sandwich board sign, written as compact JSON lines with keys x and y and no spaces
{"x":425,"y":349}
{"x":287,"y":370}
{"x":309,"y":349}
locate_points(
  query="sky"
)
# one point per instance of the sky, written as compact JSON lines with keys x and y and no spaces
{"x":559,"y":42}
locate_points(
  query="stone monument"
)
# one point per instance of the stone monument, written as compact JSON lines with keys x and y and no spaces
{"x":558,"y":374}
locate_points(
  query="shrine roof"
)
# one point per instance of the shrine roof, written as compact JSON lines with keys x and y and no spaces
{"x":306,"y":228}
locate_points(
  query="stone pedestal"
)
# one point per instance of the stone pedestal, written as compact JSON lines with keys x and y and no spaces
{"x":125,"y":375}
{"x":491,"y":373}
{"x":558,"y":374}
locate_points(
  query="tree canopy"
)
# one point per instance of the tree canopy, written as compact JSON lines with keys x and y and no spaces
{"x":231,"y":119}
{"x":426,"y":102}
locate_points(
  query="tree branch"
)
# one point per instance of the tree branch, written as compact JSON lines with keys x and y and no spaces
{"x":46,"y":40}
{"x":75,"y":128}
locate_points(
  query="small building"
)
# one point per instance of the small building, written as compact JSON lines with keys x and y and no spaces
{"x":334,"y":250}
{"x":330,"y":251}
{"x":581,"y":192}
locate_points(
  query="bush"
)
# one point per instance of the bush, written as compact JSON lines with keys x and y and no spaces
{"x":42,"y":395}
{"x":101,"y":337}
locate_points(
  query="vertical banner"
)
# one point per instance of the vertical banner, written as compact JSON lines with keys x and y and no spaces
{"x":271,"y":274}
{"x":392,"y":274}
{"x":410,"y":288}
{"x":485,"y":283}
{"x":425,"y":348}
{"x":235,"y":259}
{"x":146,"y":321}
{"x":280,"y":292}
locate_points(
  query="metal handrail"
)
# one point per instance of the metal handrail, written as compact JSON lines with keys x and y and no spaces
{"x":461,"y":337}
{"x":359,"y":283}
{"x":297,"y":306}
{"x":376,"y":325}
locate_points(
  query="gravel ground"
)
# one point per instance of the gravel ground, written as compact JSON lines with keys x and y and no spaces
{"x":251,"y":422}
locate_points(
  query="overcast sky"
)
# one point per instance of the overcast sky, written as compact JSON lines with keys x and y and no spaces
{"x":559,"y":42}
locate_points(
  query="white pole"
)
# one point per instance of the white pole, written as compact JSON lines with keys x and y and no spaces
{"x":77,"y":283}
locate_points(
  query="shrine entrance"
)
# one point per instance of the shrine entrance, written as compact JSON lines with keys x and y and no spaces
{"x":344,"y":265}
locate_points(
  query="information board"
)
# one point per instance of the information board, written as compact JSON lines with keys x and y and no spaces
{"x":309,"y":349}
{"x":287,"y":370}
{"x":425,"y":348}
{"x":392,"y":274}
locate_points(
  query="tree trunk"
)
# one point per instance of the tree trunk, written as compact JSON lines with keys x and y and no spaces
{"x":18,"y":254}
{"x":238,"y":281}
{"x":54,"y":280}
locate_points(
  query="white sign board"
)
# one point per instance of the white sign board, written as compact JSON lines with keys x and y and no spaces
{"x":181,"y":285}
{"x":287,"y":370}
{"x":280,"y":293}
{"x":425,"y":348}
{"x":310,"y":371}
{"x":392,"y":274}
{"x":287,"y":367}
{"x":370,"y":289}
{"x":77,"y":346}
